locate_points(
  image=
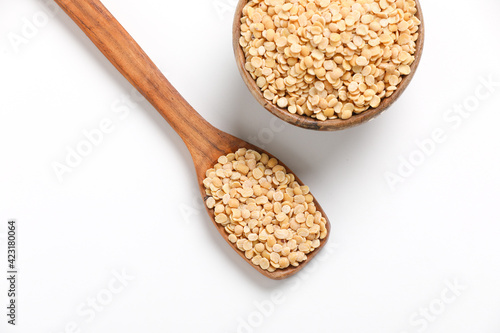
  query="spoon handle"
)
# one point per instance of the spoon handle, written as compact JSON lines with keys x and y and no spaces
{"x":135,"y":65}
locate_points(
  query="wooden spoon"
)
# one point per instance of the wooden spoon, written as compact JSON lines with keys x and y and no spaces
{"x":306,"y":121}
{"x":205,"y":143}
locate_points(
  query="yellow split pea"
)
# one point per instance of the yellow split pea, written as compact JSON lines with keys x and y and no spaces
{"x":328,"y":59}
{"x":264,"y":210}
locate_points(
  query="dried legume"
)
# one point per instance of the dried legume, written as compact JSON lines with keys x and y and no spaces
{"x":328,"y":59}
{"x":264,"y":210}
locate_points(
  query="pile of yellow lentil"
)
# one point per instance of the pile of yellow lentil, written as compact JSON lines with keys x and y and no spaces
{"x":328,"y":59}
{"x":265,"y":212}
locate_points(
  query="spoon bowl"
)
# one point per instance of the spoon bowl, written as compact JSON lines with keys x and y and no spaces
{"x":231,"y":145}
{"x":205,"y":143}
{"x":306,"y":121}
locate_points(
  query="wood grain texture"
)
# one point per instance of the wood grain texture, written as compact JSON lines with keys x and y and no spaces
{"x":205,"y":143}
{"x":306,"y":121}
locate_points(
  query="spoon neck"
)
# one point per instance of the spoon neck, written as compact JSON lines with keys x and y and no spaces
{"x":194,"y":130}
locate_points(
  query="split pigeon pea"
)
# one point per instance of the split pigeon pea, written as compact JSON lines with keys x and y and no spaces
{"x":265,"y":212}
{"x":328,"y":59}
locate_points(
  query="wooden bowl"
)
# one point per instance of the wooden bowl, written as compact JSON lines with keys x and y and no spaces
{"x":306,"y":121}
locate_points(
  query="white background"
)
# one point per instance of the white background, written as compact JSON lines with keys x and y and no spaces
{"x":132,"y":203}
